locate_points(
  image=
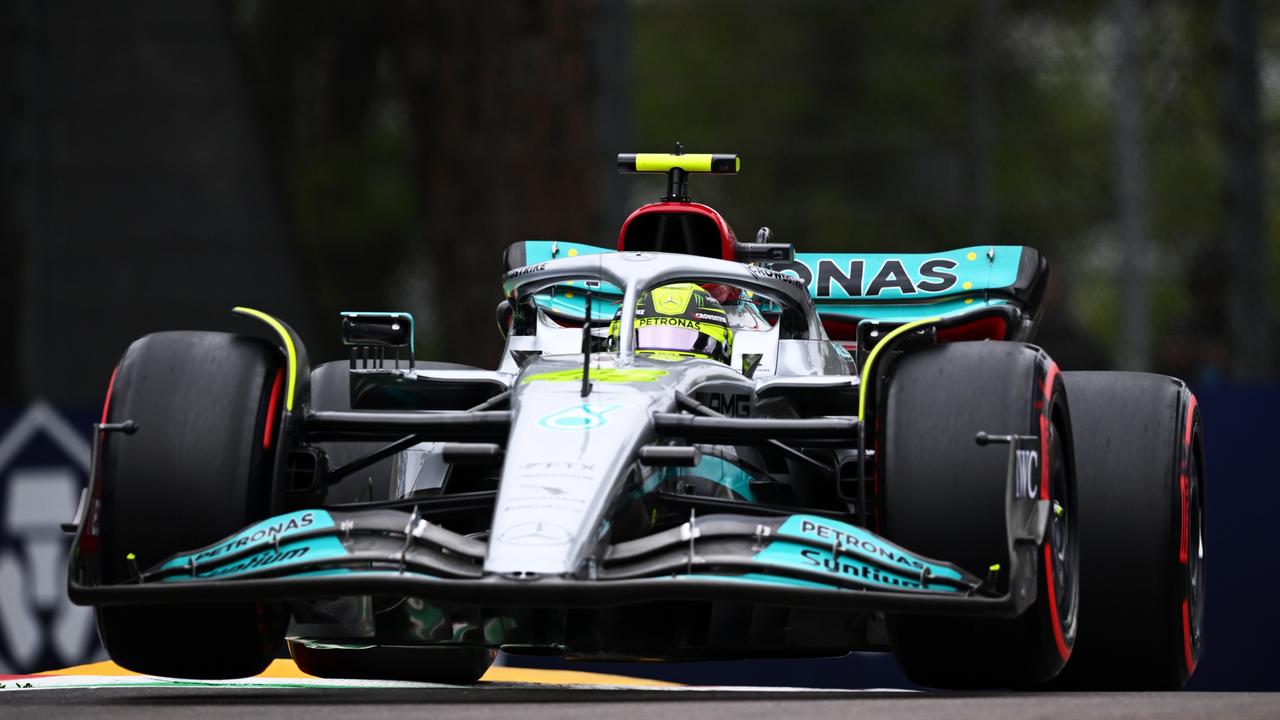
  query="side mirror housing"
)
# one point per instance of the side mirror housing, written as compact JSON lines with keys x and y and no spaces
{"x":373,"y":332}
{"x":764,"y":250}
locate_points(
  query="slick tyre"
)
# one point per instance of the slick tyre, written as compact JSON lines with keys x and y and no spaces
{"x":198,"y":468}
{"x":944,"y":497}
{"x":452,"y":665}
{"x":1141,"y":464}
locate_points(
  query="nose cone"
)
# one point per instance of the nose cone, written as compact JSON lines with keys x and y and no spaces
{"x":563,"y":466}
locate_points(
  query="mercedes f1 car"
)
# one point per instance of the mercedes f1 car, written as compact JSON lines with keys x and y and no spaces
{"x":692,"y":447}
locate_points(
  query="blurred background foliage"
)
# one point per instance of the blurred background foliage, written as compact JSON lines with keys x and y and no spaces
{"x":404,"y":145}
{"x":417,"y":140}
{"x":162,"y":162}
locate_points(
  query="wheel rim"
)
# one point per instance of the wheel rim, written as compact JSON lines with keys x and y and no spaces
{"x":1063,"y":537}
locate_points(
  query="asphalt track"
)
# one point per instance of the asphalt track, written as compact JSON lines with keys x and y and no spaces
{"x":570,"y":703}
{"x":534,"y":695}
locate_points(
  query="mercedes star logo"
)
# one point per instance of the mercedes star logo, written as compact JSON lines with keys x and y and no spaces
{"x":535,"y":533}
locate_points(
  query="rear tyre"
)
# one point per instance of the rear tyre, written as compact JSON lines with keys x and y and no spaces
{"x":198,"y":468}
{"x":452,"y":665}
{"x":1141,"y":461}
{"x":944,"y":497}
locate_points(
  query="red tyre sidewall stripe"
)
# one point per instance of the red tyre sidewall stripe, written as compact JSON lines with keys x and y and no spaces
{"x":1051,"y":374}
{"x":1184,"y":555}
{"x":1186,"y":638}
{"x":273,"y":405}
{"x":111,"y":386}
{"x":1184,"y":483}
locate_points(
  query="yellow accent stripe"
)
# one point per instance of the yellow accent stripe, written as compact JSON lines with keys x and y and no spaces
{"x":871,"y":359}
{"x":288,"y":347}
{"x":620,"y":375}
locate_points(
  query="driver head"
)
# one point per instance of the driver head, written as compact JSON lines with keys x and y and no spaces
{"x":679,"y":321}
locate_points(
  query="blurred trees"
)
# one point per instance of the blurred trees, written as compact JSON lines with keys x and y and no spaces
{"x":913,"y":125}
{"x":419,"y":139}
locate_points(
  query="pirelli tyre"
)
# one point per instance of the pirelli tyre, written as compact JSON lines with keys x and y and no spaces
{"x":449,"y":664}
{"x":1140,"y":456}
{"x":199,"y":467}
{"x":944,"y":497}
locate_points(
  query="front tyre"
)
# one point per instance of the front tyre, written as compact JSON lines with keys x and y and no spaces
{"x":198,"y":468}
{"x":944,"y":497}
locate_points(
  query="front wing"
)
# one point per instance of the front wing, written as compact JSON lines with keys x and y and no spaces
{"x":798,"y":560}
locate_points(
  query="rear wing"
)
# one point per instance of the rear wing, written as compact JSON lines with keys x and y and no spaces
{"x":848,"y":288}
{"x":901,"y":288}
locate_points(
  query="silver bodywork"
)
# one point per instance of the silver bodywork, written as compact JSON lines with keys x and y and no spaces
{"x":570,"y":456}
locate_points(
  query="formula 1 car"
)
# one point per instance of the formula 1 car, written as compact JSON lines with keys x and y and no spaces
{"x":693,"y":447}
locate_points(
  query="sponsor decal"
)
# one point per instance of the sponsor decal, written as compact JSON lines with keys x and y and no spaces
{"x":538,"y":532}
{"x":787,"y":554}
{"x":559,"y":466}
{"x":587,"y":416}
{"x":845,"y":566}
{"x":862,"y":541}
{"x":677,"y":322}
{"x":852,"y":277}
{"x":261,"y":560}
{"x":264,"y":532}
{"x":672,"y":302}
{"x":763,"y":272}
{"x":272,"y":533}
{"x":1026,"y":478}
{"x":548,"y":489}
{"x":799,"y":556}
{"x":733,"y":404}
{"x":546,"y":486}
{"x":310,"y":550}
{"x":855,"y":543}
{"x":522,"y":271}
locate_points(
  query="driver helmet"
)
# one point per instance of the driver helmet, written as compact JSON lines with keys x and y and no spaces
{"x":678,"y":321}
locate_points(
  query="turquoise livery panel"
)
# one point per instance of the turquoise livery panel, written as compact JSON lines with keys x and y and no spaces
{"x":862,"y":277}
{"x":278,"y":551}
{"x":848,"y":286}
{"x":863,"y":556}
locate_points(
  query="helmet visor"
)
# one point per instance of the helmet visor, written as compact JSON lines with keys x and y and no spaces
{"x":666,"y":337}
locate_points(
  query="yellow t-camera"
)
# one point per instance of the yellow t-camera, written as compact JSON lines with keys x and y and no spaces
{"x":714,"y":163}
{"x":678,"y":166}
